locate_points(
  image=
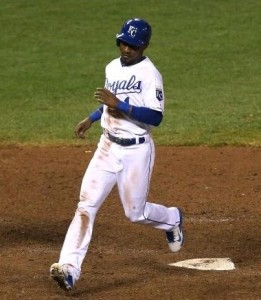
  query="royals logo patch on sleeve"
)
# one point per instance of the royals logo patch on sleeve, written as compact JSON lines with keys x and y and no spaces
{"x":159,"y":94}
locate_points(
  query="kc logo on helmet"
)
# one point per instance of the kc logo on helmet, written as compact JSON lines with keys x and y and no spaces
{"x":132,"y":31}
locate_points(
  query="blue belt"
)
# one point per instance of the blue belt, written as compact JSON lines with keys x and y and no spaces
{"x":125,"y":142}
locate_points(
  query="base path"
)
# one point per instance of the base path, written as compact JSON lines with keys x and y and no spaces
{"x":219,"y":190}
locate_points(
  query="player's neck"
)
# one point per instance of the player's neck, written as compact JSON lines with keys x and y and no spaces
{"x":133,"y":63}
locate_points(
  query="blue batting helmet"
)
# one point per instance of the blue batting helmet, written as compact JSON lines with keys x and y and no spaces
{"x":135,"y":32}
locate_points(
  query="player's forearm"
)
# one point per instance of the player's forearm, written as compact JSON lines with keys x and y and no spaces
{"x":96,"y":115}
{"x":142,"y":114}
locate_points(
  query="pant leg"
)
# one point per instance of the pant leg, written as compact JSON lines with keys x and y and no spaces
{"x":97,"y":183}
{"x":133,"y":185}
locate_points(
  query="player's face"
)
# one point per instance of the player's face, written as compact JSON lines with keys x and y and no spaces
{"x":130,"y":55}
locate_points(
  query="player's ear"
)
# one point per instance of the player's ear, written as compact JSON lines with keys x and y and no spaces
{"x":145,"y":46}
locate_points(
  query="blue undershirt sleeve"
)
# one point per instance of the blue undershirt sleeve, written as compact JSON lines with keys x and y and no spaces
{"x":96,"y":115}
{"x":142,"y":114}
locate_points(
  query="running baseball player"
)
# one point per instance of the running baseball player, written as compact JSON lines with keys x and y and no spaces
{"x":131,"y":104}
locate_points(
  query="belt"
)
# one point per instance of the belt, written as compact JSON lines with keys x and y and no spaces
{"x":125,"y":142}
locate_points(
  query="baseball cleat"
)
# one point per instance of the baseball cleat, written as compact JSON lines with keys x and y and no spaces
{"x":61,"y":275}
{"x":175,"y":237}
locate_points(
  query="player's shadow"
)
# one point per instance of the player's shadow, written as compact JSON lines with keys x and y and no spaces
{"x":24,"y":232}
{"x":100,"y":286}
{"x":104,"y":286}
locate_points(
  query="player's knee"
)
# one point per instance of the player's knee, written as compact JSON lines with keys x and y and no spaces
{"x":84,"y":207}
{"x":133,"y":216}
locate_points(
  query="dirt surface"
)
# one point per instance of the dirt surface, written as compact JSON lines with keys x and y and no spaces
{"x":219,"y":190}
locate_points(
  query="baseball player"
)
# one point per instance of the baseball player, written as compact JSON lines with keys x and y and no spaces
{"x":131,"y":104}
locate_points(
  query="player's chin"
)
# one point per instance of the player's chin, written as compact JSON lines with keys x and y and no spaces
{"x":126,"y":60}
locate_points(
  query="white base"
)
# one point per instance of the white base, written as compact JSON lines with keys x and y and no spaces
{"x":220,"y":264}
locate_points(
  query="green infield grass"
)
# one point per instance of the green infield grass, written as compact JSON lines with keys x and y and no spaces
{"x":53,"y":54}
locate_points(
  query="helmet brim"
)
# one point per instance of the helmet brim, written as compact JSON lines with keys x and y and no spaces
{"x":128,"y":40}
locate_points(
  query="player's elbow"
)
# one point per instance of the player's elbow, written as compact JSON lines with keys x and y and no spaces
{"x":158,"y":117}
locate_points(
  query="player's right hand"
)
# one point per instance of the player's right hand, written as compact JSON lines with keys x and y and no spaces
{"x":106,"y":97}
{"x":82,"y":127}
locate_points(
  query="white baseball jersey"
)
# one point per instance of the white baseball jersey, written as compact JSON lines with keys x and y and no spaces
{"x":139,"y":85}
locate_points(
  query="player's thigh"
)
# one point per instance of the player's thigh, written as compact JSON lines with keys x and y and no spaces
{"x":97,"y":182}
{"x":134,"y":179}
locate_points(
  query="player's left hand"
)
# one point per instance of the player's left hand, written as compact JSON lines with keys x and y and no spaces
{"x":82,"y":127}
{"x":106,"y":97}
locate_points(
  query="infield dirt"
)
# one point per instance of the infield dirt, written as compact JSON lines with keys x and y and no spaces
{"x":219,"y":190}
